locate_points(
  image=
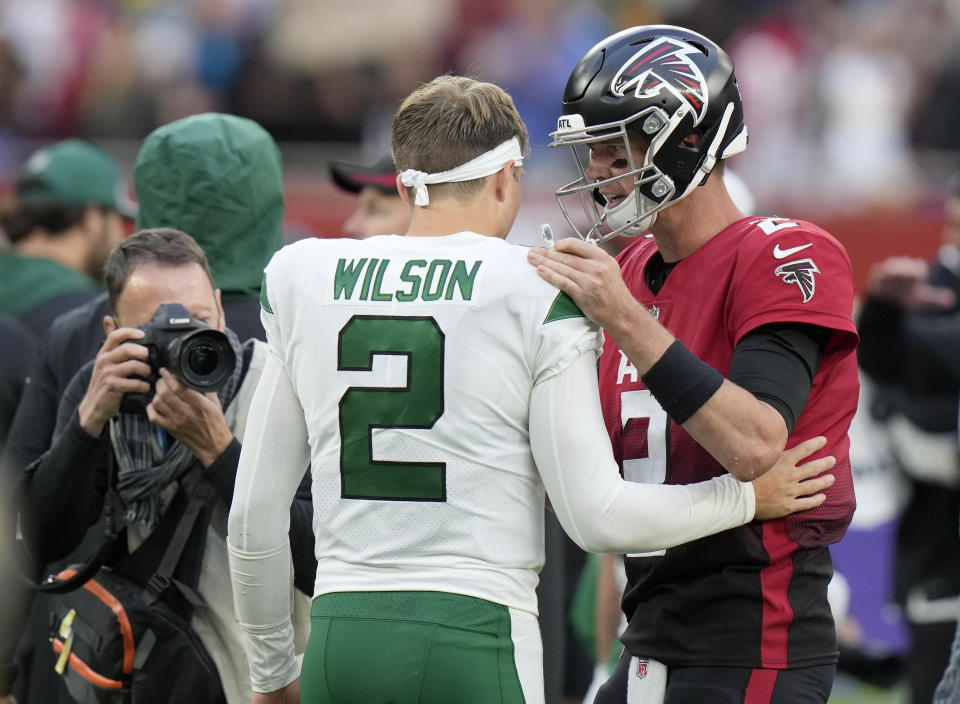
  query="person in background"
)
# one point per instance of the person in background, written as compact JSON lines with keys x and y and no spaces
{"x":910,"y":347}
{"x":16,"y":356}
{"x":174,"y":431}
{"x":218,"y":178}
{"x":237,"y":165}
{"x":948,"y":689}
{"x":379,"y":209}
{"x":11,"y":598}
{"x":68,"y":215}
{"x":16,"y":353}
{"x":238,"y":224}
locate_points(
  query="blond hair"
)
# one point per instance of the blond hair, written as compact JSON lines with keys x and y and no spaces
{"x":450,"y":121}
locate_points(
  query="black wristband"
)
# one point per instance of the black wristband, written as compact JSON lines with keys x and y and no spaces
{"x":681,"y":382}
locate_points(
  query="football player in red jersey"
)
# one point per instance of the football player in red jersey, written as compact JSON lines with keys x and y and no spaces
{"x":728,"y":338}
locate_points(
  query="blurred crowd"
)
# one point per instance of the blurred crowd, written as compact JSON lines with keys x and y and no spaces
{"x":848,"y":101}
{"x":850,"y":105}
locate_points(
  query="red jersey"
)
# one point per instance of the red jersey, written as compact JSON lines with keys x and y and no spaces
{"x":754,"y":596}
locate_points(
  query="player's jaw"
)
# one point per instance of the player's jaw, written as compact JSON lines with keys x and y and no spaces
{"x":615,"y":192}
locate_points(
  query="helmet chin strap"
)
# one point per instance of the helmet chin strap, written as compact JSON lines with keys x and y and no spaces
{"x":710,"y":159}
{"x":625,"y":218}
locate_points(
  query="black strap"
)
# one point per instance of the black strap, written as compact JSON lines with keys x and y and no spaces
{"x":200,"y":494}
{"x":199,"y":499}
{"x":113,"y":529}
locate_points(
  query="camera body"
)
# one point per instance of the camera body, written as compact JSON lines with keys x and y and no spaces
{"x":199,"y":356}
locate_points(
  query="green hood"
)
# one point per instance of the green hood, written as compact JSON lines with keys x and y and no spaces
{"x":218,"y":178}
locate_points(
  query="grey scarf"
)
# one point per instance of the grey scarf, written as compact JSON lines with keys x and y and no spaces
{"x":144,"y":469}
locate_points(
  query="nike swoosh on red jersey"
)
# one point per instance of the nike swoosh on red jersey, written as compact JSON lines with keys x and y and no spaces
{"x":782,"y":253}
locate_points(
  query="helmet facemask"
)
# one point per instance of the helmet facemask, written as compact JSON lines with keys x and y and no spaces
{"x":652,"y":189}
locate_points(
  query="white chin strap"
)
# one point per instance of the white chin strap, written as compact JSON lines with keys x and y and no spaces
{"x":487,"y":163}
{"x":626,"y":219}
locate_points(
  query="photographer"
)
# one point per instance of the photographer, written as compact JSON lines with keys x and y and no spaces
{"x":151,"y":446}
{"x":224,"y":157}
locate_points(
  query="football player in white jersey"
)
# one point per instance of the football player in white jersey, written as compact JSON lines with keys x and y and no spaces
{"x":438,"y":387}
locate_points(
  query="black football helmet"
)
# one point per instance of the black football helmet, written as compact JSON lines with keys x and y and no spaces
{"x":657,"y":84}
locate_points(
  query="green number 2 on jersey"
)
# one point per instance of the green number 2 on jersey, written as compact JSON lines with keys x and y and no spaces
{"x":419,"y":404}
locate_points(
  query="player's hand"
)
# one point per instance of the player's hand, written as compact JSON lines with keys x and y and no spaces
{"x":195,"y":419}
{"x":287,"y":695}
{"x":789,"y":486}
{"x":115,"y":369}
{"x":591,"y":277}
{"x":903,"y":281}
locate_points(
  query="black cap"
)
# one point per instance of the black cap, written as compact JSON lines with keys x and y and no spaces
{"x":353,"y":178}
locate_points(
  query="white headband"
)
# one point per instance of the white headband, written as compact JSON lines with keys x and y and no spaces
{"x":487,"y":163}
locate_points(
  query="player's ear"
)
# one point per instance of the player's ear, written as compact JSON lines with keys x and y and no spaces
{"x":503,"y":180}
{"x":109,"y":324}
{"x":404,"y":194}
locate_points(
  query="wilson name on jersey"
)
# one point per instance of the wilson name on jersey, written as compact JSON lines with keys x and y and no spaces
{"x":414,"y":359}
{"x":421,"y":280}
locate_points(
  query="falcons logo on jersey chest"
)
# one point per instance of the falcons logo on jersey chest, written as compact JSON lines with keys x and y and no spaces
{"x":801,"y":273}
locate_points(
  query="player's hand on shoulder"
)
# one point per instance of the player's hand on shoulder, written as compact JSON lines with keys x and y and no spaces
{"x":792,"y":485}
{"x":590,"y":276}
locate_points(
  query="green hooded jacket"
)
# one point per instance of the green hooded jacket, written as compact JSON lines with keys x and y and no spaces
{"x":219,"y":179}
{"x":29,"y":282}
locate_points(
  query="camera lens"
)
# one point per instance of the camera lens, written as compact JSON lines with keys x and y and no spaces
{"x":203,"y":360}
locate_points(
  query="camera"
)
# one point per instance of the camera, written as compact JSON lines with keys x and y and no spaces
{"x":200,"y":357}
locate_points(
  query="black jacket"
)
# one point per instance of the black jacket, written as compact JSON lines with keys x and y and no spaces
{"x":72,"y":340}
{"x":66,"y":487}
{"x":913,"y":355}
{"x":17,"y":345}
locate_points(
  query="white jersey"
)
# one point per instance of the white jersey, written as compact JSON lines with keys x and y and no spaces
{"x":414,"y":359}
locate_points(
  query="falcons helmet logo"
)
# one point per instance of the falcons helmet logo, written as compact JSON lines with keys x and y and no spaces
{"x":800,"y":273}
{"x":664,"y":64}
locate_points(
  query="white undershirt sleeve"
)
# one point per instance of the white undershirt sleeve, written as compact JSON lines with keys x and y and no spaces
{"x":274,"y":456}
{"x":598,"y":509}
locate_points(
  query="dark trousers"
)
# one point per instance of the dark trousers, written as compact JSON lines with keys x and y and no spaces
{"x":729,"y":685}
